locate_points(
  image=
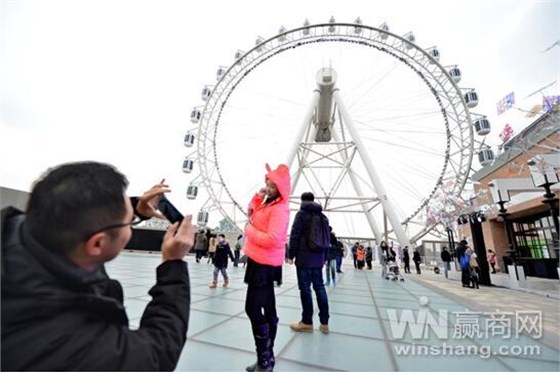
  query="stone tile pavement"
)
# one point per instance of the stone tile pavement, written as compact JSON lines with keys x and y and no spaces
{"x":426,"y":323}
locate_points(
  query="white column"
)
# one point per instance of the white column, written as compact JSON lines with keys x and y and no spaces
{"x":300,"y":138}
{"x":375,"y":180}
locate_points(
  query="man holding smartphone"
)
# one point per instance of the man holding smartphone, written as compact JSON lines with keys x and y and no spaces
{"x":60,"y":309}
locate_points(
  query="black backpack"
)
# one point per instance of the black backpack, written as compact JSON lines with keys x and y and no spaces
{"x":318,"y":235}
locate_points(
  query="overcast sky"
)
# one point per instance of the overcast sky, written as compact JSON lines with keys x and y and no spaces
{"x":115,"y":80}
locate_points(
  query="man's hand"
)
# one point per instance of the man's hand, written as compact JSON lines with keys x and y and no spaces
{"x":178,"y":240}
{"x":148,"y":202}
{"x":290,"y":261}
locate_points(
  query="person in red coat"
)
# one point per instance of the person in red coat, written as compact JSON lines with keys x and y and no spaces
{"x":265,"y":241}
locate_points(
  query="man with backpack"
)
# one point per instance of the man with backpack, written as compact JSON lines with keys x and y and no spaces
{"x":309,"y":245}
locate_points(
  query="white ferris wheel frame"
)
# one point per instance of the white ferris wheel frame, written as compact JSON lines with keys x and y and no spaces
{"x":449,"y":96}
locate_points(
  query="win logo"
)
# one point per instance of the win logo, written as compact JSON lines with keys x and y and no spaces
{"x":419,"y":322}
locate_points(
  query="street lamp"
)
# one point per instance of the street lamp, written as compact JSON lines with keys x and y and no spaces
{"x":503,"y":216}
{"x":544,"y":175}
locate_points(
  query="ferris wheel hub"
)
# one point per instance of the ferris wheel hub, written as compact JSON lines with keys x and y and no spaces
{"x":326,"y":77}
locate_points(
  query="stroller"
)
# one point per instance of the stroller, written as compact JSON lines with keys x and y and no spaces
{"x":393,"y":271}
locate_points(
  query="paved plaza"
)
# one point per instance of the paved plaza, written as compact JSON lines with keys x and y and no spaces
{"x":426,"y":323}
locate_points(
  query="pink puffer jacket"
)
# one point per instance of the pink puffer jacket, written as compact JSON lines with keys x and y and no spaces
{"x":267,"y":233}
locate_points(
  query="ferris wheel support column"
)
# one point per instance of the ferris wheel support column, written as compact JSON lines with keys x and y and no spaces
{"x":376,"y":182}
{"x":370,"y":218}
{"x":307,"y":121}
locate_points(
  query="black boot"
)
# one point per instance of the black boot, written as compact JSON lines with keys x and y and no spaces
{"x":272,"y":328}
{"x":262,"y":342}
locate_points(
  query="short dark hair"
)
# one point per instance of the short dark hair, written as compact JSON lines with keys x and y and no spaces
{"x":307,"y":196}
{"x":70,"y":201}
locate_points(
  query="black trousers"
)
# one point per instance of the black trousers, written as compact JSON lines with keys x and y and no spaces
{"x":465,"y":277}
{"x":260,"y":304}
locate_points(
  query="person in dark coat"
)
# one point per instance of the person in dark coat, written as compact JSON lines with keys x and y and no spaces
{"x":60,"y":309}
{"x":406,"y":260}
{"x":369,"y":257}
{"x":330,"y":267}
{"x":417,"y":260}
{"x":446,"y":260}
{"x":309,"y":268}
{"x":465,"y":271}
{"x":200,"y":244}
{"x":237,"y":250}
{"x":220,"y":260}
{"x":339,"y":258}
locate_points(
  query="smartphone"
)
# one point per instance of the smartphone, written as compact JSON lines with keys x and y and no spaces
{"x":169,"y":210}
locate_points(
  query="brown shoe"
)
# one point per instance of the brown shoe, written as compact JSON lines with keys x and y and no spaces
{"x":226,"y":282}
{"x":301,"y":327}
{"x":214,"y":284}
{"x":324,"y":328}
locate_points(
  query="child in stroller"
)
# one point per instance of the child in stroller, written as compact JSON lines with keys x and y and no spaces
{"x":393,"y":271}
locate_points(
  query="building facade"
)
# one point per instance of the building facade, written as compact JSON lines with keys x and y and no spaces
{"x":532,"y":240}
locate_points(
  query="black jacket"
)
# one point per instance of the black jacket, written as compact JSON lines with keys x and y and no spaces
{"x":223,"y":251}
{"x":335,"y":248}
{"x":298,"y":246}
{"x":406,"y":256}
{"x":445,"y":256}
{"x":58,"y":317}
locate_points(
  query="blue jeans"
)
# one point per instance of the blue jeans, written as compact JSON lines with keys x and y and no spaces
{"x":339,"y":263}
{"x":330,"y":269}
{"x":306,"y":277}
{"x":446,"y":267}
{"x":219,"y":270}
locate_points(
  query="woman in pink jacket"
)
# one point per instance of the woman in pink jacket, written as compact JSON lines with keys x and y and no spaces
{"x":265,"y":244}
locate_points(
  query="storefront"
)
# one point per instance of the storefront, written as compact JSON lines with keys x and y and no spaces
{"x":525,"y":230}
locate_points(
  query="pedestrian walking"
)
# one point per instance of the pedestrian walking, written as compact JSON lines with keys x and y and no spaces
{"x":491,"y":257}
{"x":237,"y":251}
{"x":361,"y":257}
{"x":369,"y":257}
{"x":200,"y":244}
{"x":406,"y":260}
{"x":354,"y":255}
{"x":384,"y":256}
{"x":339,"y":258}
{"x":220,"y":261}
{"x":330,"y":268}
{"x":212,"y":244}
{"x":446,"y":261}
{"x":417,"y":260}
{"x":309,"y":247}
{"x":464,"y":258}
{"x":473,"y":268}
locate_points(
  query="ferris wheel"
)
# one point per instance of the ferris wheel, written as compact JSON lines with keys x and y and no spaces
{"x":368,"y":120}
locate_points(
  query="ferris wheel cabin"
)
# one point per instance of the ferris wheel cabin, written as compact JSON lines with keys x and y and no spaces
{"x":471,"y":98}
{"x":192,"y":192}
{"x":206,"y":93}
{"x":202,"y":218}
{"x":188,"y":165}
{"x":196,"y":115}
{"x":434,"y":53}
{"x":189,"y":140}
{"x":485,"y":156}
{"x":455,"y":74}
{"x":482,"y":126}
